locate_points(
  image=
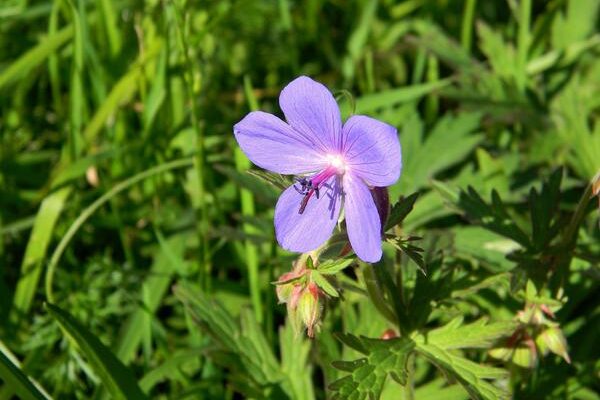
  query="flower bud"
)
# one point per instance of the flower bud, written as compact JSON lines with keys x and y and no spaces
{"x":309,"y":307}
{"x":553,"y":339}
{"x":519,"y":349}
{"x":284,"y":290}
{"x":389,"y":334}
{"x":381,"y":198}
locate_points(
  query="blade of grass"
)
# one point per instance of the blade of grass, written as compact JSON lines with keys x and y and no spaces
{"x":389,"y":98}
{"x":76,"y":95}
{"x":121,"y":92}
{"x":523,"y":40}
{"x":16,"y":380}
{"x":358,"y":38}
{"x":109,"y":19}
{"x":199,"y":158}
{"x":53,"y":69}
{"x":156,"y":285}
{"x":35,"y":57}
{"x":35,"y":252}
{"x":116,"y":377}
{"x":247,"y":203}
{"x":466,"y":32}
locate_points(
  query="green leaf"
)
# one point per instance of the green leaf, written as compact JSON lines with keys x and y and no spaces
{"x":543,"y":207}
{"x":295,"y":364}
{"x":438,"y":389}
{"x":412,"y":251}
{"x":309,"y":263}
{"x":494,"y":217}
{"x":277,"y":180}
{"x":368,"y":374}
{"x":437,"y":346}
{"x":573,"y":110}
{"x":579,"y":21}
{"x":449,"y":142}
{"x":500,"y":54}
{"x":390,"y":98}
{"x":400,"y":210}
{"x":472,"y":376}
{"x":257,"y":186}
{"x":433,"y":39}
{"x":484,"y":247}
{"x":324,"y":284}
{"x":332,"y":267}
{"x":241,"y":347}
{"x":17,"y":381}
{"x":171,"y":367}
{"x":478,"y":334}
{"x":116,"y":377}
{"x":352,"y":341}
{"x":35,"y":56}
{"x":155,"y":286}
{"x":41,"y":234}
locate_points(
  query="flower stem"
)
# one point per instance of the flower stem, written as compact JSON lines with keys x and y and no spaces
{"x":374,"y":290}
{"x":408,"y":390}
{"x":569,"y":237}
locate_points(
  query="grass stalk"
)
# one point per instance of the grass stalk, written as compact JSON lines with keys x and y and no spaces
{"x":523,"y":39}
{"x":199,"y":157}
{"x":466,"y":31}
{"x":248,"y":210}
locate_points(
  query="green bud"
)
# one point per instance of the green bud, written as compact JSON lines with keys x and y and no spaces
{"x":553,"y":339}
{"x":525,"y":357}
{"x":309,"y":308}
{"x":519,"y":349}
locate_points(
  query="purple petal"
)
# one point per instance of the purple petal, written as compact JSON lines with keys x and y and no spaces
{"x":307,"y":231}
{"x":362,"y":219}
{"x":310,"y":108}
{"x":372,"y":150}
{"x":272,"y":144}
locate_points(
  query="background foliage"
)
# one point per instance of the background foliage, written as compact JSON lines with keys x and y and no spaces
{"x":126,"y":209}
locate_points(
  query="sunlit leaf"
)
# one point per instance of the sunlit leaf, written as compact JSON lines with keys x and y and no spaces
{"x":368,"y":374}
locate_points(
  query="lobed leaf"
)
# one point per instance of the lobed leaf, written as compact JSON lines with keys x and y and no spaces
{"x":332,"y":267}
{"x":368,"y":374}
{"x":478,"y":334}
{"x":472,"y":376}
{"x":400,"y":210}
{"x":240,"y":347}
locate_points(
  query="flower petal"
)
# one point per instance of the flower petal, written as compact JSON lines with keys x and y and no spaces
{"x":272,"y":144}
{"x":372,"y":150}
{"x":307,"y":231}
{"x":362,"y":219}
{"x":310,"y":108}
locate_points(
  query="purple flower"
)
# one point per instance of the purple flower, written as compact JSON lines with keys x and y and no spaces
{"x":333,"y":164}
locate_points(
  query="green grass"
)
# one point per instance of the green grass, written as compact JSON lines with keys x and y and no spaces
{"x":137,"y":253}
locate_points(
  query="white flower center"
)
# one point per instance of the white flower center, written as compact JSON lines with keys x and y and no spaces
{"x":337,"y":162}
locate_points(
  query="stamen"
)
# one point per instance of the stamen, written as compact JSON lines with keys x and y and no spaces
{"x":308,"y":186}
{"x":304,"y":202}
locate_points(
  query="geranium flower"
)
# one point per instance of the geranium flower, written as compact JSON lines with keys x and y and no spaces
{"x":334,"y":165}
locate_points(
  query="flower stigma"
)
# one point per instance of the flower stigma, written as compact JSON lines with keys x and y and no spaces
{"x":310,"y":186}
